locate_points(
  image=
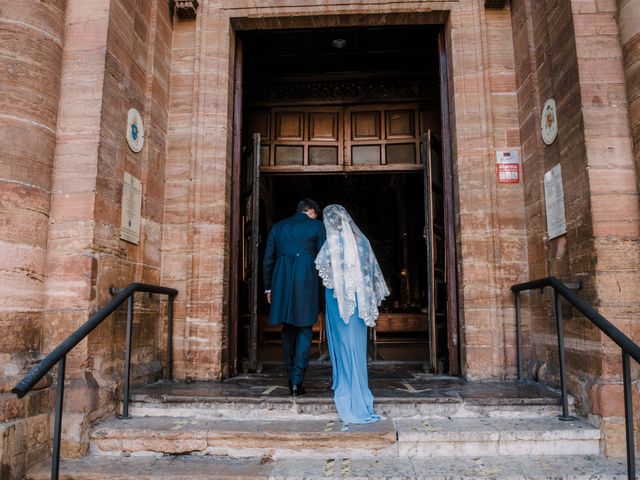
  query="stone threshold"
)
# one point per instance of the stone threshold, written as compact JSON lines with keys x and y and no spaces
{"x":397,"y":395}
{"x":392,"y":383}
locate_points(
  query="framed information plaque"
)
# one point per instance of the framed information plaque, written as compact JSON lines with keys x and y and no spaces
{"x":131,"y":209}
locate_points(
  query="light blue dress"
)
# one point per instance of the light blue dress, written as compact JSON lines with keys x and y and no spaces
{"x":348,"y":350}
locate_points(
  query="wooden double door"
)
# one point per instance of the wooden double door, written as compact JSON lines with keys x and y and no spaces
{"x":424,"y":158}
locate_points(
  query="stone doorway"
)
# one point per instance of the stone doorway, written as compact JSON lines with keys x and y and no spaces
{"x":348,"y":101}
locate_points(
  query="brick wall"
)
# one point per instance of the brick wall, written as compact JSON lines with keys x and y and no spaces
{"x":122,"y":64}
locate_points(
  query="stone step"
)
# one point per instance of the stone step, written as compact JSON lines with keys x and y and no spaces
{"x":309,"y":438}
{"x":275,"y":404}
{"x":195,"y":467}
{"x":284,"y":408}
{"x":466,"y":437}
{"x":399,"y":392}
{"x":243,"y":438}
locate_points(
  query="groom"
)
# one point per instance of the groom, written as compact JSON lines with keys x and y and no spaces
{"x":291,"y":284}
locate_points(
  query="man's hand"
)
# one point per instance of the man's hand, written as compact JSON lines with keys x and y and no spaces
{"x":269,"y":297}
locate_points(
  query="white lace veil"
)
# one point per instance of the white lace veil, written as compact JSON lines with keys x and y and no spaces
{"x":347,"y":264}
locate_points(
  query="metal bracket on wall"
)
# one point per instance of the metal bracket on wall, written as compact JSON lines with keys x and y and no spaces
{"x":574,"y":286}
{"x":114,"y":291}
{"x":570,"y":285}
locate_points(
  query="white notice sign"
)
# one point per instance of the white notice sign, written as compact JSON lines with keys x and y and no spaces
{"x":554,"y":200}
{"x":131,"y":209}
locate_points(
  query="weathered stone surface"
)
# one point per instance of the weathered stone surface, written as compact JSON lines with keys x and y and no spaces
{"x":607,"y":400}
{"x":75,"y":433}
{"x":31,"y":43}
{"x":38,"y":438}
{"x":614,"y":436}
{"x":213,"y":468}
{"x":476,"y":437}
{"x":13,"y":447}
{"x":240,"y":443}
{"x":241,"y":437}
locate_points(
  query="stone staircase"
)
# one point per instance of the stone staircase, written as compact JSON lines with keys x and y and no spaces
{"x":191,"y":434}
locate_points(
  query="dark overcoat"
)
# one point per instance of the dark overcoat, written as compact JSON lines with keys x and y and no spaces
{"x":290,"y":272}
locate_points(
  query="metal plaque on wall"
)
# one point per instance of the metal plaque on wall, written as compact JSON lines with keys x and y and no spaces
{"x":554,"y":201}
{"x":131,"y":209}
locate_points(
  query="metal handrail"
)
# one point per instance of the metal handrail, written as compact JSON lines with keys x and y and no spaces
{"x":628,"y":347}
{"x":59,"y":355}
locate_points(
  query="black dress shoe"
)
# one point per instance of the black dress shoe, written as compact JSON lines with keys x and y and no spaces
{"x":297,"y":390}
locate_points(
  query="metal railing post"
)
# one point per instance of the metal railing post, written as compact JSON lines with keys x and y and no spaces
{"x":57,"y":426}
{"x":170,"y":338}
{"x":629,"y":350}
{"x":628,"y":417}
{"x":59,"y":355}
{"x":127,"y":358}
{"x":563,"y":369}
{"x":518,"y":336}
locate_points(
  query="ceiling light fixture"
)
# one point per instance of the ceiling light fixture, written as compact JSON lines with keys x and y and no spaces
{"x":339,"y":43}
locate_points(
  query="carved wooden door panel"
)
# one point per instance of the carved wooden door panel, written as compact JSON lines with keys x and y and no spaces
{"x":300,"y":140}
{"x":382,"y":138}
{"x":310,"y":139}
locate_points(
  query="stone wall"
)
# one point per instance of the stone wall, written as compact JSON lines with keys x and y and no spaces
{"x":122,"y":63}
{"x":571,"y":52}
{"x":629,"y":22}
{"x":31,"y":43}
{"x":491,"y":223}
{"x":195,"y":245}
{"x":613,"y":188}
{"x":547,"y":68}
{"x":63,"y":117}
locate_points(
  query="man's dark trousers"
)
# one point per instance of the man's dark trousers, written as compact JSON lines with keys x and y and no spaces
{"x":296,"y":345}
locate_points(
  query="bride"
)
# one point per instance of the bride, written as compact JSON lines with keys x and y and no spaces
{"x":355,"y":288}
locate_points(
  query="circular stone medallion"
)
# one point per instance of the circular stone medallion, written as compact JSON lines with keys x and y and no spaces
{"x":135,"y":130}
{"x":549,"y":122}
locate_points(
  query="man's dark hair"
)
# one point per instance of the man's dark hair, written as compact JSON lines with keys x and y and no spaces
{"x":307,"y":204}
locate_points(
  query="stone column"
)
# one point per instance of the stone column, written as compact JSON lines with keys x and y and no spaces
{"x":629,"y":21}
{"x":31,"y":40}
